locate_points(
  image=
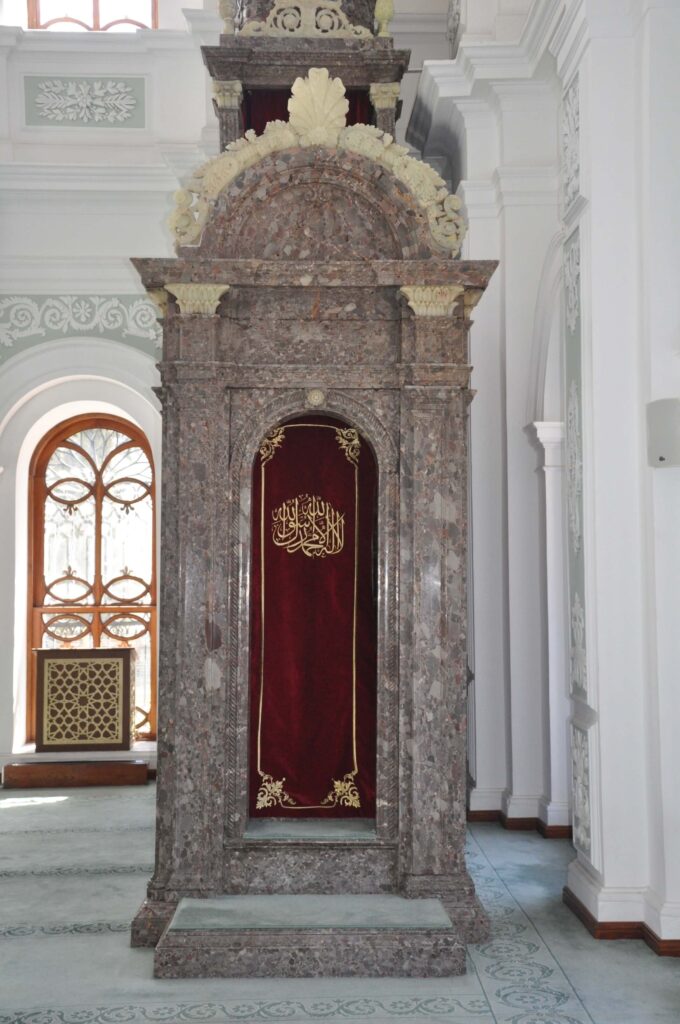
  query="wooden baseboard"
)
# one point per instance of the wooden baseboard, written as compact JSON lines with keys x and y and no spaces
{"x":66,"y":774}
{"x":609,"y":931}
{"x":522,"y":824}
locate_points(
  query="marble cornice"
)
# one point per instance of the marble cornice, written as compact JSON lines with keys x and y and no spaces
{"x":269,"y":62}
{"x":446,"y":376}
{"x":155,"y":273}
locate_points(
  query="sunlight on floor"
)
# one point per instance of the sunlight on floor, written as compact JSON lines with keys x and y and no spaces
{"x":30,"y":801}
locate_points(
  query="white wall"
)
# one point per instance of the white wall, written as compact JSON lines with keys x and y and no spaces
{"x":617,"y":328}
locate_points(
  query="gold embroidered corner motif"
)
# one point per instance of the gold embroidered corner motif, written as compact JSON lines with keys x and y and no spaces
{"x":271,"y":443}
{"x":308,"y":524}
{"x":343,"y":794}
{"x":350,"y":444}
{"x":272,"y":794}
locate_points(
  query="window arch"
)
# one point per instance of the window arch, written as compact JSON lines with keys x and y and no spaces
{"x":92,"y":15}
{"x":92,"y":572}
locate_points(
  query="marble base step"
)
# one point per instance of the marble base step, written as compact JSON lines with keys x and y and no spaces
{"x":310,"y":937}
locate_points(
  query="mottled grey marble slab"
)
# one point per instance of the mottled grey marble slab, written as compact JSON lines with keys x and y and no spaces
{"x":312,"y":828}
{"x":305,"y":912}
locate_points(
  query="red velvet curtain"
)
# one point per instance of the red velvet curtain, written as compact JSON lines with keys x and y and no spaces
{"x":313,"y":614}
{"x":263,"y":105}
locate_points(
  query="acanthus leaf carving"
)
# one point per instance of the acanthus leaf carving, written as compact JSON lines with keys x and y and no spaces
{"x":318,"y":112}
{"x":574,"y":466}
{"x":579,"y":666}
{"x":572,"y":282}
{"x":580,"y":759}
{"x":433,"y":300}
{"x":571,"y":144}
{"x":80,"y":101}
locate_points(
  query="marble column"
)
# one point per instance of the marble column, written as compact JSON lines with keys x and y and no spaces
{"x":227,"y":103}
{"x":433,"y":606}
{"x":555,"y":807}
{"x":193,"y":662}
{"x":385,"y":100}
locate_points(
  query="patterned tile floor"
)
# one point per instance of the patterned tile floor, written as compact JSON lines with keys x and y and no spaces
{"x":73,"y":867}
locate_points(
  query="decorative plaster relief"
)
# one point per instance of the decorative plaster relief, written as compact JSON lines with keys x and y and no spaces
{"x":31,"y":318}
{"x":579,"y":667}
{"x":385,"y":95}
{"x":433,"y":301}
{"x":318,"y":114}
{"x":571,"y":143}
{"x":580,"y":760}
{"x":574,"y":466}
{"x":572,"y":281}
{"x":198,"y":299}
{"x":85,"y":102}
{"x":307,"y":18}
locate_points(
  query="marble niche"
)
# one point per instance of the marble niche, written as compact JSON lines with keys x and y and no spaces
{"x":317,"y":269}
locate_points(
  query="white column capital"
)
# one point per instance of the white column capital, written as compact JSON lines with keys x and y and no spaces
{"x":551,"y":434}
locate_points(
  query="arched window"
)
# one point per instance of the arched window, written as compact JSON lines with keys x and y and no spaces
{"x":92,"y":580}
{"x":93,"y":15}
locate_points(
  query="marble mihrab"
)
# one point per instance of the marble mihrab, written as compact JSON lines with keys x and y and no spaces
{"x":312,"y":274}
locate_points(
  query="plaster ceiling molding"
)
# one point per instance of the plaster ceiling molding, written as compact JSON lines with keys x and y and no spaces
{"x":318,"y":117}
{"x":433,"y":301}
{"x":572,"y":282}
{"x":579,"y":667}
{"x":309,"y":19}
{"x":571,"y":143}
{"x":580,"y":760}
{"x":43,"y":318}
{"x":574,"y":466}
{"x":88,"y":102}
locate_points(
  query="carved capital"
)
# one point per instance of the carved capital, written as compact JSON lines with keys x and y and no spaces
{"x":385,"y":95}
{"x":228,"y":16}
{"x":472,"y":297}
{"x":228,"y":95}
{"x":431,"y":301}
{"x":198,"y":299}
{"x":159,"y":297}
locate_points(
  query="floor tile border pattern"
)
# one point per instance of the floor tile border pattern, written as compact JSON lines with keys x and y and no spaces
{"x":521,"y":979}
{"x":22,"y":931}
{"x":358,"y":1010}
{"x":104,"y":869}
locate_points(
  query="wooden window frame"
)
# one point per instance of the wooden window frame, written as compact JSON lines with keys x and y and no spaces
{"x":34,"y":19}
{"x":37,"y":493}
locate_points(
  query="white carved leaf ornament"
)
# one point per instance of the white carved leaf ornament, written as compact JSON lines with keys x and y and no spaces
{"x":318,"y":112}
{"x":82,"y":101}
{"x":318,"y":108}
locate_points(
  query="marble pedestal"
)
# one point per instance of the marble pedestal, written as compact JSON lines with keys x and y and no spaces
{"x":309,"y":936}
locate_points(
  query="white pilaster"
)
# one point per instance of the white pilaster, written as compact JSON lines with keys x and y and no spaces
{"x":556,"y":805}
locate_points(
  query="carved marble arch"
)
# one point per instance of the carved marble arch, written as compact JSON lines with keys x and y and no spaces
{"x":319,"y":208}
{"x":259,"y":424}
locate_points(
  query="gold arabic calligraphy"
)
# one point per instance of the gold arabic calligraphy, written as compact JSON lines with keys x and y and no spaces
{"x":308,"y":524}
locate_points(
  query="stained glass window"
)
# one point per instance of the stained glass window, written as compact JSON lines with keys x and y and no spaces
{"x":92,"y":495}
{"x":93,"y":15}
